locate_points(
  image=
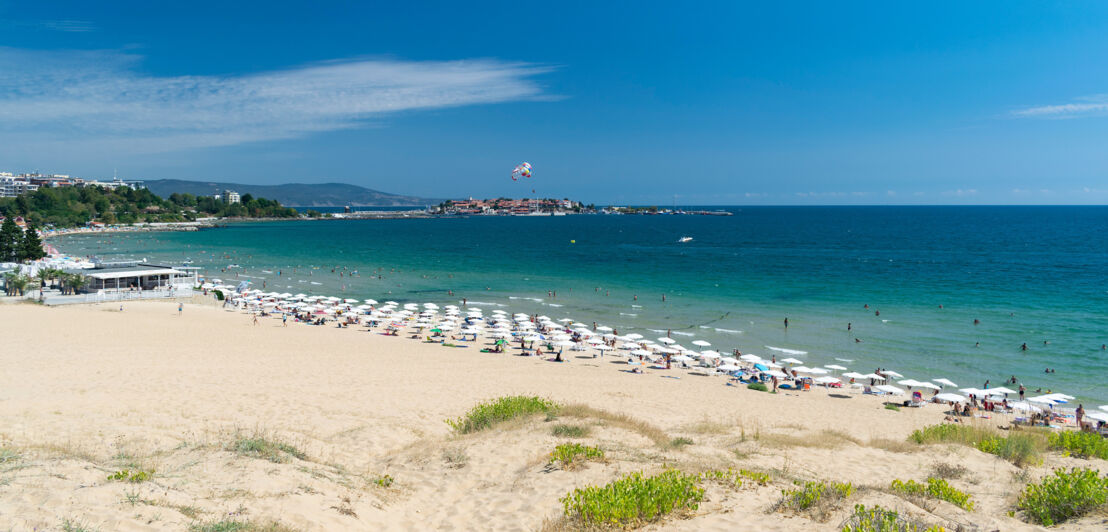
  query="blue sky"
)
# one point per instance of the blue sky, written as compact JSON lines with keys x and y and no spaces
{"x":630,"y":102}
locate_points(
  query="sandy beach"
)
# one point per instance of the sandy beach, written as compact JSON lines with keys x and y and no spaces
{"x":88,"y":391}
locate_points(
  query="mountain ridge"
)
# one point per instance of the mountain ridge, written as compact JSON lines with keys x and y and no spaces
{"x":293,"y":194}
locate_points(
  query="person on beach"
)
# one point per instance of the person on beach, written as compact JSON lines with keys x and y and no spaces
{"x":1080,"y":413}
{"x":180,"y":308}
{"x":255,"y":319}
{"x":284,"y":320}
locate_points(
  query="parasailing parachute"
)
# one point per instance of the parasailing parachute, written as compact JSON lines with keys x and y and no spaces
{"x":522,"y":170}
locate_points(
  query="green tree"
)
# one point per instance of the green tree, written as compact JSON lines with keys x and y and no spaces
{"x":31,"y":247}
{"x":9,"y":240}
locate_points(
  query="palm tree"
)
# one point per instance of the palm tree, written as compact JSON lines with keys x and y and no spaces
{"x":76,"y":282}
{"x":16,"y":284}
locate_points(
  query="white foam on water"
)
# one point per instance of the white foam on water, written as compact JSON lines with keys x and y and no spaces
{"x":884,"y":321}
{"x":783,"y":350}
{"x":486,"y":303}
{"x":554,"y":305}
{"x":636,"y":306}
{"x":728,"y":331}
{"x":657,"y":330}
{"x":684,"y":333}
{"x":313,"y":282}
{"x":626,"y":314}
{"x":845,"y":359}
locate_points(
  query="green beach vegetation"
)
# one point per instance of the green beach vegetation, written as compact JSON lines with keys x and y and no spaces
{"x":935,"y":488}
{"x":634,"y":499}
{"x":1022,"y":448}
{"x":570,"y":455}
{"x":1063,"y":496}
{"x":490,"y":413}
{"x":1079,"y":444}
{"x":878,"y":519}
{"x":76,"y":206}
{"x":17,"y":245}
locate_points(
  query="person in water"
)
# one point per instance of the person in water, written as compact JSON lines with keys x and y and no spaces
{"x":786,"y":323}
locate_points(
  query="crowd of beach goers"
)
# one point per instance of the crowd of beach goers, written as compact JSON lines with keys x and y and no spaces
{"x":564,"y":340}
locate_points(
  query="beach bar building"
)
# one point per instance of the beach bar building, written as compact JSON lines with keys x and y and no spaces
{"x":135,"y":276}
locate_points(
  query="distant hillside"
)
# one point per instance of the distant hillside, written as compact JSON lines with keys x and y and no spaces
{"x":293,"y":194}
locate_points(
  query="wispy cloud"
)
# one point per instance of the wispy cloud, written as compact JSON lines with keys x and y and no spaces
{"x":1087,"y":106}
{"x":81,"y":96}
{"x":70,"y":26}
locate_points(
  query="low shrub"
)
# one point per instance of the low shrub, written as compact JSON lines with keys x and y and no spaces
{"x":570,"y":455}
{"x":384,"y":481}
{"x":878,"y":519}
{"x":634,"y":499}
{"x":489,"y":413}
{"x":946,"y":470}
{"x":134,"y":477}
{"x":757,"y":386}
{"x":1079,"y":444}
{"x":1020,"y":449}
{"x":891,"y":406}
{"x":815,"y":498}
{"x":679,"y":442}
{"x":1063,"y":496}
{"x":570,"y":431}
{"x":936,"y":488}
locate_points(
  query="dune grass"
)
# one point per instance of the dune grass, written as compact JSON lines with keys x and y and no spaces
{"x":570,"y":431}
{"x":623,"y":421}
{"x":134,"y":477}
{"x":1079,"y":444}
{"x":1063,"y":496}
{"x":633,"y":500}
{"x":490,"y":413}
{"x":1022,"y":448}
{"x":757,"y":386}
{"x":572,"y":455}
{"x":935,"y":488}
{"x":237,"y":525}
{"x":735,"y":479}
{"x":267,"y":448}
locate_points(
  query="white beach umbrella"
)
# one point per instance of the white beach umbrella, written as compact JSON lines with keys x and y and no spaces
{"x":1097,"y":416}
{"x":1042,"y":400}
{"x":928,"y":385}
{"x":950,"y":398}
{"x":667,"y":340}
{"x":945,"y":382}
{"x":393,"y":303}
{"x":565,"y":320}
{"x":729,"y":368}
{"x":750,"y":358}
{"x":908,"y":382}
{"x":974,"y":391}
{"x":853,"y":375}
{"x":701,"y":343}
{"x":709,"y":354}
{"x":817,"y":371}
{"x":889,"y":389}
{"x":640,"y":352}
{"x":604,"y":328}
{"x":682,"y":358}
{"x":603,"y":347}
{"x":892,"y":373}
{"x":1103,"y":407}
{"x":873,"y":376}
{"x":634,"y":336}
{"x":826,"y":380}
{"x":1000,"y":391}
{"x":565,"y":343}
{"x":835,"y":367}
{"x":802,"y":369}
{"x":775,"y":373}
{"x":1023,"y":405}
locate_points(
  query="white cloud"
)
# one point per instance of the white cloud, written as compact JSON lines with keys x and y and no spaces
{"x":1087,"y":106}
{"x":103,"y":97}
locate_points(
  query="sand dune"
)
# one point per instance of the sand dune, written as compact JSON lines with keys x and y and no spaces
{"x":87,"y":391}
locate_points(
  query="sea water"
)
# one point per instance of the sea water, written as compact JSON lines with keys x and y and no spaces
{"x":1034,"y":275}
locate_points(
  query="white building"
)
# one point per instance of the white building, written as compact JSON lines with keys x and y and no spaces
{"x":11,"y":186}
{"x":230,"y":196}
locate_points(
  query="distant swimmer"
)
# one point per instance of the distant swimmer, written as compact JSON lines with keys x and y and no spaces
{"x":877,"y":313}
{"x":976,"y":321}
{"x":663,"y":298}
{"x":848,"y":326}
{"x":857,"y":340}
{"x":1023,"y":347}
{"x":1046,"y":342}
{"x":978,"y":344}
{"x":786,"y":323}
{"x":940,"y":306}
{"x":866,"y":306}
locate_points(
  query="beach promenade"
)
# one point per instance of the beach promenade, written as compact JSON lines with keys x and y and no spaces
{"x":301,"y":425}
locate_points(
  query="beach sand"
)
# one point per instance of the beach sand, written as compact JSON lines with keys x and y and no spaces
{"x":87,"y":391}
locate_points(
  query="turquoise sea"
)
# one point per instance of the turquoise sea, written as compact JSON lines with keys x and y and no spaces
{"x":1028,"y":274}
